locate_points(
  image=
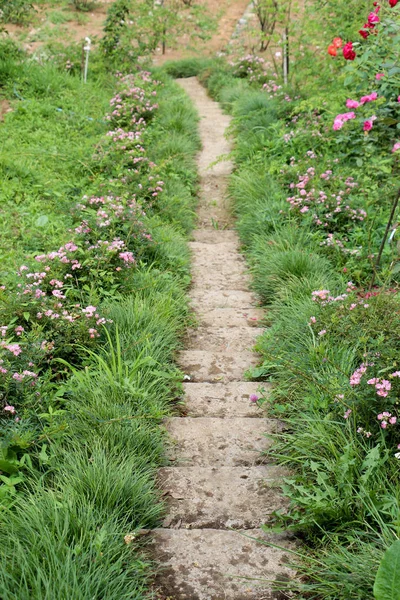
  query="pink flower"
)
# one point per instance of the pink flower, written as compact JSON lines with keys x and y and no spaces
{"x":19,"y":330}
{"x":341,"y":119}
{"x":393,"y":420}
{"x":127,"y":257}
{"x":369,"y":98}
{"x":379,"y":76}
{"x":89,"y":311}
{"x":14,"y":349}
{"x":322,"y":332}
{"x":347,"y":413}
{"x":253,"y":398}
{"x":383,"y":424}
{"x":358,"y":373}
{"x":10,"y":409}
{"x":352,"y":103}
{"x":368,"y":124}
{"x":396,"y":146}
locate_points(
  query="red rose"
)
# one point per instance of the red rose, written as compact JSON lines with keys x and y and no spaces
{"x":373,"y":18}
{"x":393,"y":2}
{"x":348,"y":51}
{"x":364,"y":33}
{"x":337,"y":42}
{"x":332,"y":50}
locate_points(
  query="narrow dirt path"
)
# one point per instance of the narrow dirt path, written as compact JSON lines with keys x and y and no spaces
{"x":220,"y":486}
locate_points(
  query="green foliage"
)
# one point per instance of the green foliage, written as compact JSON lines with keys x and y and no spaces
{"x":15,"y":11}
{"x":312,"y":205}
{"x":387,"y":582}
{"x":187,"y":67}
{"x":81,"y":408}
{"x":84,"y":5}
{"x":138,"y":27}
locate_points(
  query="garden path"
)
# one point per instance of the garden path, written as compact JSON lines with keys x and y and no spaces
{"x":220,"y":487}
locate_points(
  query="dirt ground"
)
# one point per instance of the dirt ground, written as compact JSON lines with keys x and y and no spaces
{"x":60,"y":21}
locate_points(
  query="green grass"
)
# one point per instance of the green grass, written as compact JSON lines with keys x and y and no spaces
{"x":343,"y":489}
{"x":89,"y":480}
{"x":41,"y":174}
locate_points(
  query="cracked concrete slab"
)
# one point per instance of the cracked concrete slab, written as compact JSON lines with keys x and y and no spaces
{"x":209,"y":564}
{"x":202,"y":365}
{"x":230,"y":317}
{"x":222,"y":339}
{"x":201,"y":299}
{"x":209,"y":441}
{"x":215,"y":236}
{"x":223,"y":400}
{"x":221,"y":498}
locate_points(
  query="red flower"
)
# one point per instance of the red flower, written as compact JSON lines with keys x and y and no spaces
{"x":393,"y":2}
{"x":373,"y":18}
{"x":332,"y":50}
{"x":348,"y":51}
{"x":364,"y":33}
{"x":337,"y":42}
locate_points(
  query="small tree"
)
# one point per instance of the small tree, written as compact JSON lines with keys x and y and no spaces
{"x":140,"y":26}
{"x":267,"y":12}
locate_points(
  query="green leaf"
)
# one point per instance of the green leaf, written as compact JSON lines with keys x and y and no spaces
{"x":387,"y":582}
{"x":8,"y":466}
{"x":43,"y":456}
{"x":27,"y":316}
{"x":396,"y":268}
{"x":42,"y":221}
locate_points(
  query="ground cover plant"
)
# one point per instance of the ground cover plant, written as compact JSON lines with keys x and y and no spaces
{"x":315,"y":189}
{"x":95,"y":210}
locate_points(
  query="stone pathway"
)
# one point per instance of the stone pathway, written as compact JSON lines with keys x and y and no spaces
{"x":220,"y":488}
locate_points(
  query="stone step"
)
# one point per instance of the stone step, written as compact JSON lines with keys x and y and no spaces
{"x":223,"y":399}
{"x":215,"y":236}
{"x":209,"y":564}
{"x":209,"y":280}
{"x":218,"y":261}
{"x":201,"y":298}
{"x":209,"y":441}
{"x":230,"y":317}
{"x":222,"y":497}
{"x":222,"y":339}
{"x":217,"y":251}
{"x":201,"y":365}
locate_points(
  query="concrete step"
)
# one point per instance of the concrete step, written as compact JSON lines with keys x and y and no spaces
{"x":218,"y":261}
{"x":220,"y":497}
{"x":215,"y":236}
{"x":222,"y":399}
{"x":201,"y":298}
{"x":209,"y":441}
{"x":218,"y":251}
{"x":222,"y":339}
{"x":201,"y":365}
{"x":209,"y":564}
{"x":230,"y":317}
{"x":205,"y":279}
